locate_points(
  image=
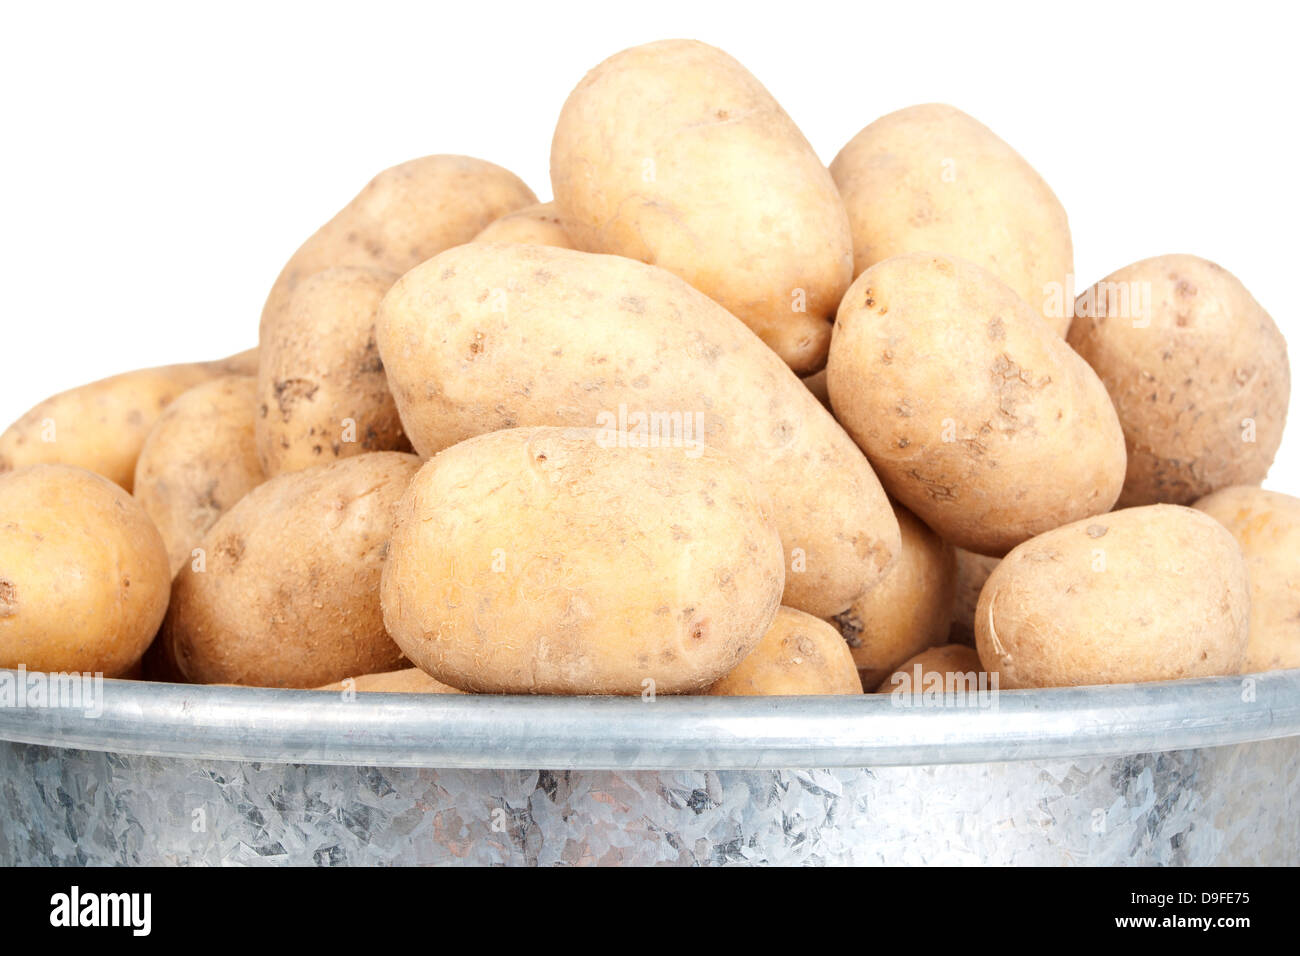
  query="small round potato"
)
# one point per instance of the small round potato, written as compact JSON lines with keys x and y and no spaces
{"x":83,"y":573}
{"x":410,"y":680}
{"x":1197,"y":371}
{"x":538,"y":225}
{"x":947,"y":666}
{"x":199,"y":460}
{"x":1143,"y":594}
{"x":1266,"y":525}
{"x":799,"y":654}
{"x":546,"y":561}
{"x":909,"y":610}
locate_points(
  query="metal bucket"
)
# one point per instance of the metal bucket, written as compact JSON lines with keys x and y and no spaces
{"x":1189,"y":772}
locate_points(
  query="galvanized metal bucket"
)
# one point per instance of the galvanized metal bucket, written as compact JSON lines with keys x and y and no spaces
{"x":1188,"y":772}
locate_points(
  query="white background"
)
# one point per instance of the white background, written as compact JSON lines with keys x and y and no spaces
{"x":159,"y":163}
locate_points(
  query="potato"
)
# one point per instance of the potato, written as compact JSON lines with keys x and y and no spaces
{"x":967,"y":404}
{"x":489,"y":336}
{"x":538,"y":225}
{"x":547,"y":561}
{"x":83,"y":573}
{"x":286,"y":592}
{"x":411,"y":680}
{"x":799,"y":654}
{"x":1266,"y":525}
{"x":674,"y":154}
{"x":1197,"y":371}
{"x":199,"y":460}
{"x":1143,"y":594}
{"x":322,"y":392}
{"x":101,"y":427}
{"x":405,"y":215}
{"x":908,"y":611}
{"x":932,"y":179}
{"x":954,"y":666}
{"x":972,"y":571}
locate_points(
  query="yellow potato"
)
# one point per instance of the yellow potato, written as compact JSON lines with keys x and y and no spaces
{"x":932,"y":179}
{"x":538,"y":225}
{"x":199,"y":460}
{"x":411,"y":680}
{"x":489,"y":336}
{"x":405,"y":215}
{"x":906,"y":612}
{"x":967,"y":404}
{"x":952,"y":667}
{"x":83,"y":573}
{"x":1197,"y":371}
{"x":286,"y":593}
{"x":972,"y":571}
{"x":1266,"y":525}
{"x":674,"y":154}
{"x":1143,"y":594}
{"x":799,"y":654}
{"x":322,"y":392}
{"x":101,"y":427}
{"x":544,"y":561}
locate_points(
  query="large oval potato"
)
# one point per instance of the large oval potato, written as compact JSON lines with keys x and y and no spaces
{"x":800,"y":654}
{"x":198,"y":462}
{"x":539,"y":225}
{"x":405,"y":215}
{"x":908,"y":611}
{"x":83,"y":573}
{"x":1266,"y":525}
{"x":101,"y":427}
{"x":287,"y":591}
{"x":674,"y":154}
{"x":932,"y":179}
{"x":1197,"y":371}
{"x":966,"y":403}
{"x":489,"y":336}
{"x":322,"y":392}
{"x":548,"y":561}
{"x":1143,"y":594}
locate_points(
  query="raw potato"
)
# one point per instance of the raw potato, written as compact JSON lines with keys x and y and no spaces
{"x":101,"y":427}
{"x":1200,"y":377}
{"x":405,"y":215}
{"x":489,"y":336}
{"x":967,"y":404}
{"x":932,"y":179}
{"x":289,"y":591}
{"x":674,"y":154}
{"x":542,"y":561}
{"x":83,"y":573}
{"x":954,"y":665}
{"x":199,"y":460}
{"x":799,"y":654}
{"x":538,"y":225}
{"x":1143,"y":594}
{"x":909,"y":610}
{"x":412,"y":680}
{"x":322,"y":392}
{"x":1266,"y":525}
{"x":972,"y":571}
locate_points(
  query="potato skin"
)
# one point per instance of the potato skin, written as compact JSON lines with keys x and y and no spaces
{"x":1185,"y":378}
{"x":930,"y":178}
{"x":83,"y":573}
{"x":320,"y":380}
{"x":799,"y":654}
{"x":674,"y":154}
{"x":909,"y":610}
{"x":972,"y":571}
{"x":489,"y":336}
{"x":1266,"y":525}
{"x":411,"y":680}
{"x":946,"y":660}
{"x":539,"y":225}
{"x":966,"y":403}
{"x":536,"y":561}
{"x":289,"y":591}
{"x":1144,"y":594}
{"x":198,"y":461}
{"x":403,"y":216}
{"x":102,"y":426}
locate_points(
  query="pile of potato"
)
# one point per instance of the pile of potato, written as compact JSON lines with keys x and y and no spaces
{"x":488,"y":445}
